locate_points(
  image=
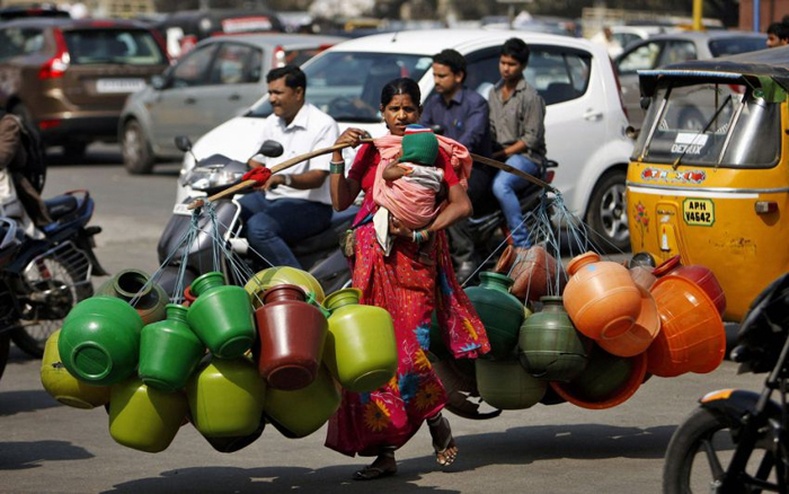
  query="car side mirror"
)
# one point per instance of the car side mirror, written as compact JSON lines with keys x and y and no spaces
{"x":183,"y":143}
{"x":632,"y":132}
{"x":158,"y":82}
{"x":271,"y":148}
{"x":644,"y":102}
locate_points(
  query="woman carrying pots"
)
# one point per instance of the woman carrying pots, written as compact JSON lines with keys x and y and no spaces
{"x":410,"y":285}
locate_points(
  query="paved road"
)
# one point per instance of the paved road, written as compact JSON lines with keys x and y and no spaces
{"x":46,"y":447}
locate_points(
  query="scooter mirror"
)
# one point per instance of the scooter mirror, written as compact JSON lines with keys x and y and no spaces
{"x":271,"y":148}
{"x":183,"y":143}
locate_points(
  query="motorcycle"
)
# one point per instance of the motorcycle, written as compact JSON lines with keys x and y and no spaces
{"x":46,"y":277}
{"x":9,"y":246}
{"x":736,"y":440}
{"x":183,"y":262}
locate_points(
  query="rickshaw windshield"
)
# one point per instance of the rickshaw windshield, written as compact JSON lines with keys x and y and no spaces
{"x":722,"y":125}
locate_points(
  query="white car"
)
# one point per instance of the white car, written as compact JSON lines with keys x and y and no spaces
{"x":585,"y":122}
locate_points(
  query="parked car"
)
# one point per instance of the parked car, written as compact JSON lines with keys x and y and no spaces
{"x":665,"y":49}
{"x":69,"y":78}
{"x":627,"y":34}
{"x":218,"y":79}
{"x":585,"y":123}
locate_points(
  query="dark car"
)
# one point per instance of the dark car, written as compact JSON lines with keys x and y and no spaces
{"x":185,"y":28}
{"x":69,"y":78}
{"x":35,"y":10}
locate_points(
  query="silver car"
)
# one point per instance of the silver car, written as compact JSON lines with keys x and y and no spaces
{"x":665,"y":49}
{"x":216,"y":80}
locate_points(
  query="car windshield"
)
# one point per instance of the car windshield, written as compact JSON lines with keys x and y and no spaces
{"x":347,"y":85}
{"x":725,"y":125}
{"x":131,"y":46}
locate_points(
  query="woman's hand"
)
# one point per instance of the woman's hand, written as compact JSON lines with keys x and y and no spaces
{"x":397,"y":229}
{"x":352,"y":136}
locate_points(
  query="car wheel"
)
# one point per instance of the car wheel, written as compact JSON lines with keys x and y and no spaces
{"x":607,"y":213}
{"x":137,"y":153}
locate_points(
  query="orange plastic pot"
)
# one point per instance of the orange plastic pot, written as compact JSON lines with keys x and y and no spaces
{"x":701,"y":275}
{"x":638,"y":338}
{"x":601,"y":298}
{"x":692,"y":337}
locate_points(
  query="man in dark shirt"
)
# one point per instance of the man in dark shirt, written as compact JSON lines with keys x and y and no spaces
{"x":462,"y":115}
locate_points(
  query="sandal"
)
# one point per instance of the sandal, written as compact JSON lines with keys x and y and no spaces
{"x":443,"y":442}
{"x":371,"y":473}
{"x":383,"y":466}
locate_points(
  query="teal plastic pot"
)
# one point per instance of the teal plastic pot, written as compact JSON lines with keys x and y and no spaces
{"x":99,"y":342}
{"x":169,"y":351}
{"x":221,"y":316}
{"x":500,"y":312}
{"x":135,"y":287}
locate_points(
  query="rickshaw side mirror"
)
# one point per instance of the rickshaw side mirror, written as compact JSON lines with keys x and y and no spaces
{"x":645,"y":101}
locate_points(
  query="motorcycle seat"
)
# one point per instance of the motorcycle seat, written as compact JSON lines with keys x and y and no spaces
{"x":61,"y":206}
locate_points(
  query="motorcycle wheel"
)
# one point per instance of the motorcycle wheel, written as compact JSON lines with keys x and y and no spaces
{"x":5,"y":348}
{"x":55,"y":281}
{"x":701,"y":449}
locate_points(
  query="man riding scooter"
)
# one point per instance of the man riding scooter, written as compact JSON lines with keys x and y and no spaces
{"x":302,"y":193}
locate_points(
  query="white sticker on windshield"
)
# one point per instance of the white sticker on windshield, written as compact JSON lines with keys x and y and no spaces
{"x":689,"y":143}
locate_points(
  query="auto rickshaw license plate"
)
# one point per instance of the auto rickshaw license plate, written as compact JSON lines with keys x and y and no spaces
{"x":698,"y":212}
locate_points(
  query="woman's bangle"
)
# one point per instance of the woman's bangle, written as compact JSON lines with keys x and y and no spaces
{"x":337,"y":166}
{"x":420,"y":236}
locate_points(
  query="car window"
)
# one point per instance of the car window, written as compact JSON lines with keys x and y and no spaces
{"x":236,"y":64}
{"x":642,"y":58}
{"x":347,"y":85}
{"x":20,"y":41}
{"x":677,"y":51}
{"x":557,"y":74}
{"x":192,"y":69}
{"x":733,"y":46}
{"x":131,"y":47}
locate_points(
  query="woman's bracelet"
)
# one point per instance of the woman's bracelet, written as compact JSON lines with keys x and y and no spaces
{"x":337,"y":166}
{"x":419,"y":236}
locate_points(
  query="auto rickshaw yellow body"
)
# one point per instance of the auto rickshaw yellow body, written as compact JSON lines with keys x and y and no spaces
{"x":709,"y":179}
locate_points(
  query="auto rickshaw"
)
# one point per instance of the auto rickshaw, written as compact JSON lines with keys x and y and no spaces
{"x":709,"y":176}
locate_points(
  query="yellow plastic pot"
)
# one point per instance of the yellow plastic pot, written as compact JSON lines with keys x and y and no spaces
{"x":226,"y":398}
{"x":145,"y":418}
{"x":64,"y":387}
{"x":301,"y":412}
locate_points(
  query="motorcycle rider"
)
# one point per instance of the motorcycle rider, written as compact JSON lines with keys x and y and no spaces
{"x":462,"y":114}
{"x":294,"y":205}
{"x":18,"y":198}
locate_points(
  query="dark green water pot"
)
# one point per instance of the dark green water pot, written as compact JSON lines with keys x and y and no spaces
{"x":500,"y":311}
{"x":550,"y":347}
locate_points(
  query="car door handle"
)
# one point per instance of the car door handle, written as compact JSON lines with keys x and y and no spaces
{"x":190,"y":101}
{"x":234,"y":97}
{"x":591,"y":115}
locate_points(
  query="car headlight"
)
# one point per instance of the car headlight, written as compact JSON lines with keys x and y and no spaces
{"x":205,"y":178}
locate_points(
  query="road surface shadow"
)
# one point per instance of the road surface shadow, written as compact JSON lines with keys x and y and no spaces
{"x":517,"y":446}
{"x":14,"y":402}
{"x":25,"y":455}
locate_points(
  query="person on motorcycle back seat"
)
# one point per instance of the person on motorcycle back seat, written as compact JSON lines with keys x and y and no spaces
{"x":18,"y":198}
{"x":517,"y":127}
{"x":296,"y":204}
{"x":462,"y":114}
{"x":408,"y":186}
